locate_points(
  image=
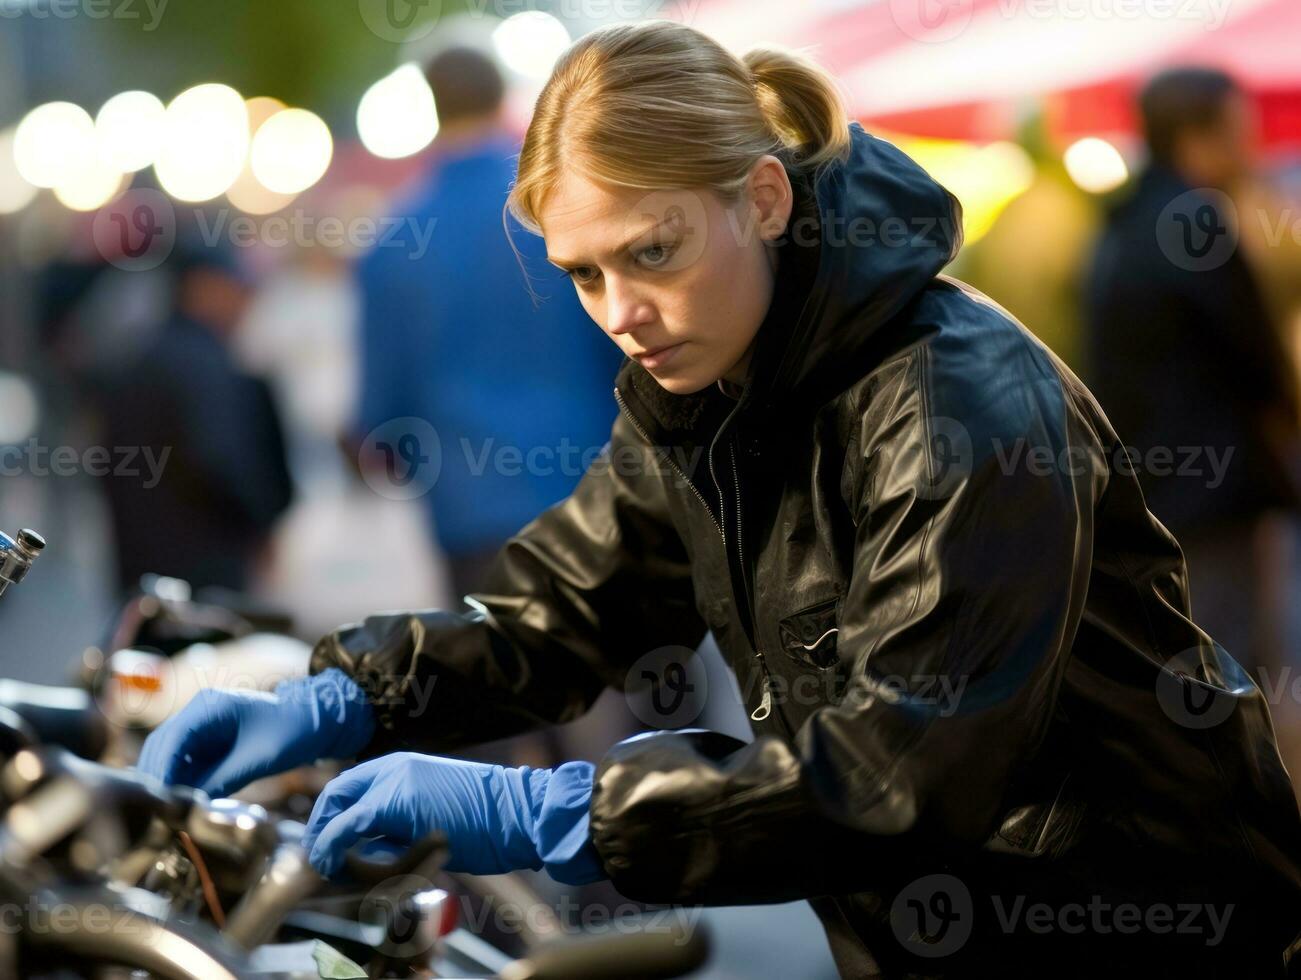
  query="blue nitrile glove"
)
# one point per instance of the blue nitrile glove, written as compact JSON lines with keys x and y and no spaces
{"x":223,"y":740}
{"x":496,"y":819}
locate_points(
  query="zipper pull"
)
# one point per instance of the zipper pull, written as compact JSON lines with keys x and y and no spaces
{"x":765,"y":706}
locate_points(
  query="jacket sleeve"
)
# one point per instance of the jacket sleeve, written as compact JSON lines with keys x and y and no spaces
{"x":570,"y":603}
{"x":969,"y":576}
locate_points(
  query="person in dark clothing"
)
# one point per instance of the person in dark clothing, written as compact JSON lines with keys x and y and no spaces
{"x":985,"y":721}
{"x":1185,"y":359}
{"x":221,"y":475}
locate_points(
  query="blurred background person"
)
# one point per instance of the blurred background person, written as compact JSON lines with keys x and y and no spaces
{"x":1030,"y":260}
{"x":222,"y":478}
{"x":1185,"y":358}
{"x":451,"y":335}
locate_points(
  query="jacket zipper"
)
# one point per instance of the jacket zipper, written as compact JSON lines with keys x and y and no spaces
{"x":627,"y":412}
{"x":765,"y":705}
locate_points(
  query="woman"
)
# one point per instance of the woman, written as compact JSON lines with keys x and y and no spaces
{"x":985,"y":723}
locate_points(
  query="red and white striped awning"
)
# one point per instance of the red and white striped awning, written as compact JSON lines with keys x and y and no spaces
{"x":966,"y":68}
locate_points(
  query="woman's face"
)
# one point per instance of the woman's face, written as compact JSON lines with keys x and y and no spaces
{"x":678,"y":270}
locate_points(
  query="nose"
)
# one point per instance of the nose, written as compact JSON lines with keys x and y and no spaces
{"x":625,"y":309}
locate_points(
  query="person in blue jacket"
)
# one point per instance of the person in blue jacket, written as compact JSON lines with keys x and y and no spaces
{"x":480,"y":372}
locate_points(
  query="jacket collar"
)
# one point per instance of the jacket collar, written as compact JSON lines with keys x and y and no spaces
{"x":876,"y":230}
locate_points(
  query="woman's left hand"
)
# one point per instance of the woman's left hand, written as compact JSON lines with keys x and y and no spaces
{"x":495,"y":819}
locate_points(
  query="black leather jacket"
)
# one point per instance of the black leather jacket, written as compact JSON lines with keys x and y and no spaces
{"x":977,"y":688}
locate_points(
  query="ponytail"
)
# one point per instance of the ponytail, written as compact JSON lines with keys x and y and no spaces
{"x":802,"y":107}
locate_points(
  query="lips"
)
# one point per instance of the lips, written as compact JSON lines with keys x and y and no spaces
{"x":658,"y":356}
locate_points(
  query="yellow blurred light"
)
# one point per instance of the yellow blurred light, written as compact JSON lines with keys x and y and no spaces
{"x":986,"y":179}
{"x":530,"y":42}
{"x":93,"y":185}
{"x":16,"y":192}
{"x":205,"y":142}
{"x":248,"y":193}
{"x":129,"y":130}
{"x":291,"y":151}
{"x":1095,"y":165}
{"x":51,"y":142}
{"x":396,"y":116}
{"x":250,"y":196}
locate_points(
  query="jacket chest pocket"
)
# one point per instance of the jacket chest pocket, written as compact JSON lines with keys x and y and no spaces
{"x":808,"y":636}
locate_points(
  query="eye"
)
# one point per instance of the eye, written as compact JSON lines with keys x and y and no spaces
{"x":657,"y":256}
{"x":582,"y":274}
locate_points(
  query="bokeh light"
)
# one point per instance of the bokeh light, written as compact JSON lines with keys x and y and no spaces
{"x":396,"y":116}
{"x":91,"y":186}
{"x":205,"y":141}
{"x":248,"y":193}
{"x":291,"y":151}
{"x":1095,"y":165}
{"x":129,"y":130}
{"x":52,"y":143}
{"x":530,"y":42}
{"x":16,"y":192}
{"x":984,"y":178}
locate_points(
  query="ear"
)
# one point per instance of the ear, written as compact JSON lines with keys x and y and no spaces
{"x":769,"y":190}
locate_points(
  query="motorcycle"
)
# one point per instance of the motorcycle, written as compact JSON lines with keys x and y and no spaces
{"x":106,"y":873}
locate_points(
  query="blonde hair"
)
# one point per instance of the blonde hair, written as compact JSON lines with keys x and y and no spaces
{"x":660,"y":105}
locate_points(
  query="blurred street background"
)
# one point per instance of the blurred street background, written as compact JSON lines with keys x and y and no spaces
{"x":238,"y":240}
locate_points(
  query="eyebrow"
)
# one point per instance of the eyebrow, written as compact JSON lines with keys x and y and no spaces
{"x":571,"y":263}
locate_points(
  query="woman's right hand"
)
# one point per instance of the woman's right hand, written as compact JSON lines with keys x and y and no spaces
{"x":223,"y":740}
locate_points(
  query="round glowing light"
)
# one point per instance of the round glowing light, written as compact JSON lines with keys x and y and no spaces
{"x":1095,"y":165}
{"x":291,"y":151}
{"x":129,"y":130}
{"x":52,"y":141}
{"x":396,"y":117}
{"x":16,"y":192}
{"x":205,"y":141}
{"x":92,"y":186}
{"x":530,"y":42}
{"x":248,"y":193}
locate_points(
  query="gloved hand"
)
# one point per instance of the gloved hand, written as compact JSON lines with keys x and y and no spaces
{"x":223,"y":740}
{"x":496,"y":819}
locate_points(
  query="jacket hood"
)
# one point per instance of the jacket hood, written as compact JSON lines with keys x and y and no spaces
{"x":863,"y":241}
